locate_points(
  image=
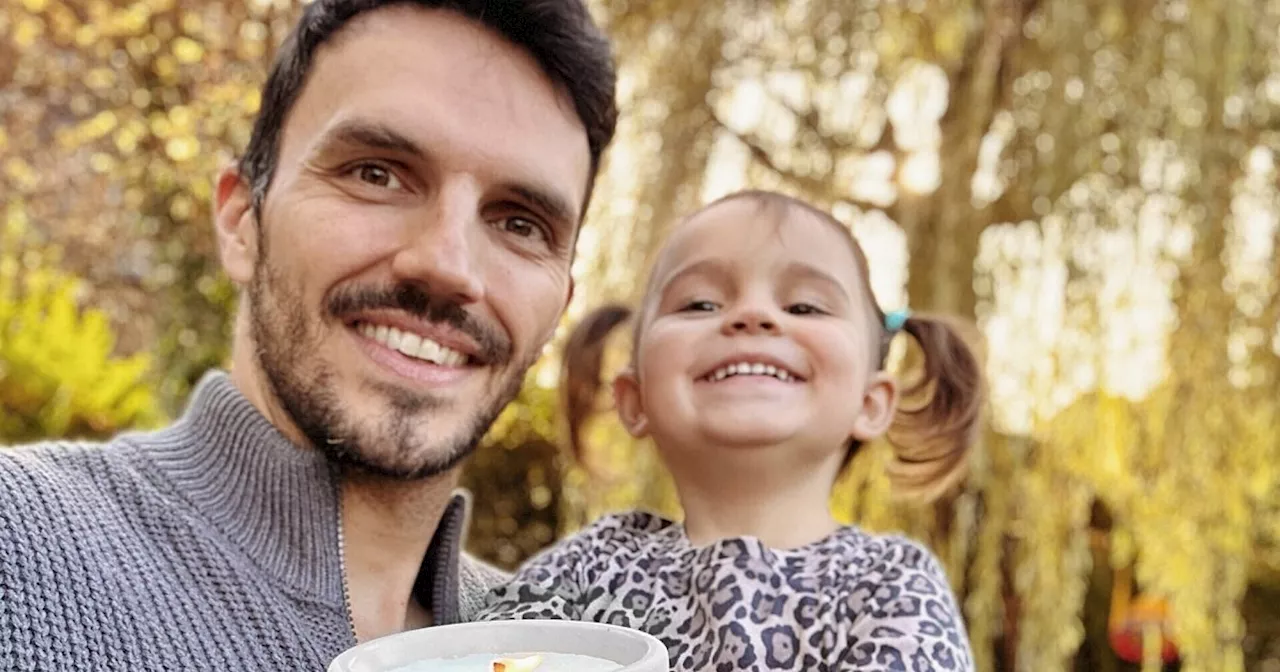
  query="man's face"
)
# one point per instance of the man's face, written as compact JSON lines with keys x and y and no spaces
{"x":412,"y":254}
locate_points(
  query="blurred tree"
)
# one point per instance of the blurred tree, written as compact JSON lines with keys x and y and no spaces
{"x":133,"y":107}
{"x":515,"y":477}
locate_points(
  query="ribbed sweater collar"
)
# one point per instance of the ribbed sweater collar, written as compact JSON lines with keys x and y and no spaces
{"x":277,"y":501}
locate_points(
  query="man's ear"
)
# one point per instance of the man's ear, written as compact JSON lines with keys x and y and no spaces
{"x":879,"y":404}
{"x":235,"y":225}
{"x":626,"y":397}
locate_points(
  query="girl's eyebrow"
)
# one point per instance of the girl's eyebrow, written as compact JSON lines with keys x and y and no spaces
{"x":800,"y":269}
{"x":715,"y":268}
{"x":719,"y":269}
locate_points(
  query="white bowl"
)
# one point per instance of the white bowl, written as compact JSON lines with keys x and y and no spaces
{"x":635,"y":651}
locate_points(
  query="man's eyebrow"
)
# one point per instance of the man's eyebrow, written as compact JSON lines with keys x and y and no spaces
{"x":549,"y":202}
{"x":376,"y":135}
{"x":369,"y":134}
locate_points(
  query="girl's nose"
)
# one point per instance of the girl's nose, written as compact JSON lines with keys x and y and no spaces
{"x":751,"y":321}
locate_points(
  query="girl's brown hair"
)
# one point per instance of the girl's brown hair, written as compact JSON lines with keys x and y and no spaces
{"x":939,"y":411}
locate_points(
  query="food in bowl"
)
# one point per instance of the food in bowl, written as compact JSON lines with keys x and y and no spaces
{"x":541,"y":662}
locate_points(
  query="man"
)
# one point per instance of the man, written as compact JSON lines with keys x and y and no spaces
{"x":402,"y":226}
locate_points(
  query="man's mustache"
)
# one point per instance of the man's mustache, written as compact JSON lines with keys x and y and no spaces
{"x":494,"y":346}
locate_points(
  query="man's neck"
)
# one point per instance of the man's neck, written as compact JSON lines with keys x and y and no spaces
{"x":248,"y":378}
{"x":756,"y":492}
{"x":387,"y":527}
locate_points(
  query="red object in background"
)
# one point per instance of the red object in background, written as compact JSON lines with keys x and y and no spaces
{"x":1126,"y":635}
{"x":1130,"y":616}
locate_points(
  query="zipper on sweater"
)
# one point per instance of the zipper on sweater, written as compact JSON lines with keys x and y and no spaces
{"x":342,"y":569}
{"x":443,"y":586}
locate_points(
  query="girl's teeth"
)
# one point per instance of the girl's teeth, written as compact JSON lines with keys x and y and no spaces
{"x":745,"y":369}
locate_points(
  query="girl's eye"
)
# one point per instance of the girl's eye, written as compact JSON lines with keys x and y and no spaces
{"x":804,"y":309}
{"x":699,"y":306}
{"x":377,"y":175}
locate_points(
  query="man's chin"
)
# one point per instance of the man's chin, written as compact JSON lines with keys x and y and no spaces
{"x":395,"y":468}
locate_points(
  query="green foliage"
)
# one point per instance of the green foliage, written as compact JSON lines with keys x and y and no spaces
{"x":515,"y":477}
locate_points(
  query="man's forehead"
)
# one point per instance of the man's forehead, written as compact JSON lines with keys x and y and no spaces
{"x":396,"y":16}
{"x":404,"y":37}
{"x":445,"y":83}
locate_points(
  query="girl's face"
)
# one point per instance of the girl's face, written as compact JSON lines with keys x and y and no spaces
{"x":757,"y":332}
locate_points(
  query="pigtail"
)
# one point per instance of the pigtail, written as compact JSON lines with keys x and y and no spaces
{"x":939,"y":414}
{"x":580,"y":378}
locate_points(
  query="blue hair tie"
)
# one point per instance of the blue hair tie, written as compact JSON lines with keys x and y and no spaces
{"x":896,"y":320}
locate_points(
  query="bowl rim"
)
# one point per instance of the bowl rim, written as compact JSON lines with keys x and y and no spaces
{"x":655,"y":650}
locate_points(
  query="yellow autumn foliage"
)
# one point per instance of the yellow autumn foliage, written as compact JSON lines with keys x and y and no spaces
{"x":59,"y":374}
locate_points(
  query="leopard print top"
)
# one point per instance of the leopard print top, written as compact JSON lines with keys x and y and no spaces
{"x":851,"y":601}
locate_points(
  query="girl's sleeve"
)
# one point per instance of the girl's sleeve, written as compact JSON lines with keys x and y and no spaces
{"x":909,"y":619}
{"x":549,"y":586}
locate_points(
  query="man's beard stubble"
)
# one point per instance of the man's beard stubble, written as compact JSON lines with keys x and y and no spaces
{"x":284,"y":339}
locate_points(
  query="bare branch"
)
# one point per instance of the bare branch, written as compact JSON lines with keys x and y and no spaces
{"x":819,"y":187}
{"x":809,"y":120}
{"x":833,"y":145}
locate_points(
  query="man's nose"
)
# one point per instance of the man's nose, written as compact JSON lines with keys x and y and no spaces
{"x":444,"y":246}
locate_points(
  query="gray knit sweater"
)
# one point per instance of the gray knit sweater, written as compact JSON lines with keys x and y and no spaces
{"x":209,"y":545}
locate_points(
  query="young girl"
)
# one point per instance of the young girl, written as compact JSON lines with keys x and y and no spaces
{"x":757,"y":370}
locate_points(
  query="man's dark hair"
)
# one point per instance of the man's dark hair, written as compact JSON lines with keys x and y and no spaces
{"x":559,"y":34}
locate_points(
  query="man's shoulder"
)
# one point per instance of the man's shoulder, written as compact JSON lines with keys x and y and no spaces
{"x":38,"y":477}
{"x":48,"y":463}
{"x":477,"y":574}
{"x":475,"y":579}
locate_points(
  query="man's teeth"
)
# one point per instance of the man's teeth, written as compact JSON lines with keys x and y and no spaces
{"x":412,"y":345}
{"x":749,"y":369}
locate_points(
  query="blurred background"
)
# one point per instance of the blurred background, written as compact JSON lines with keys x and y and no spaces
{"x":1093,"y":182}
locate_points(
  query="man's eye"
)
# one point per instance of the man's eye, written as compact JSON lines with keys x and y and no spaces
{"x":377,"y":175}
{"x":699,"y":306}
{"x":804,"y":309}
{"x":521,"y":227}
